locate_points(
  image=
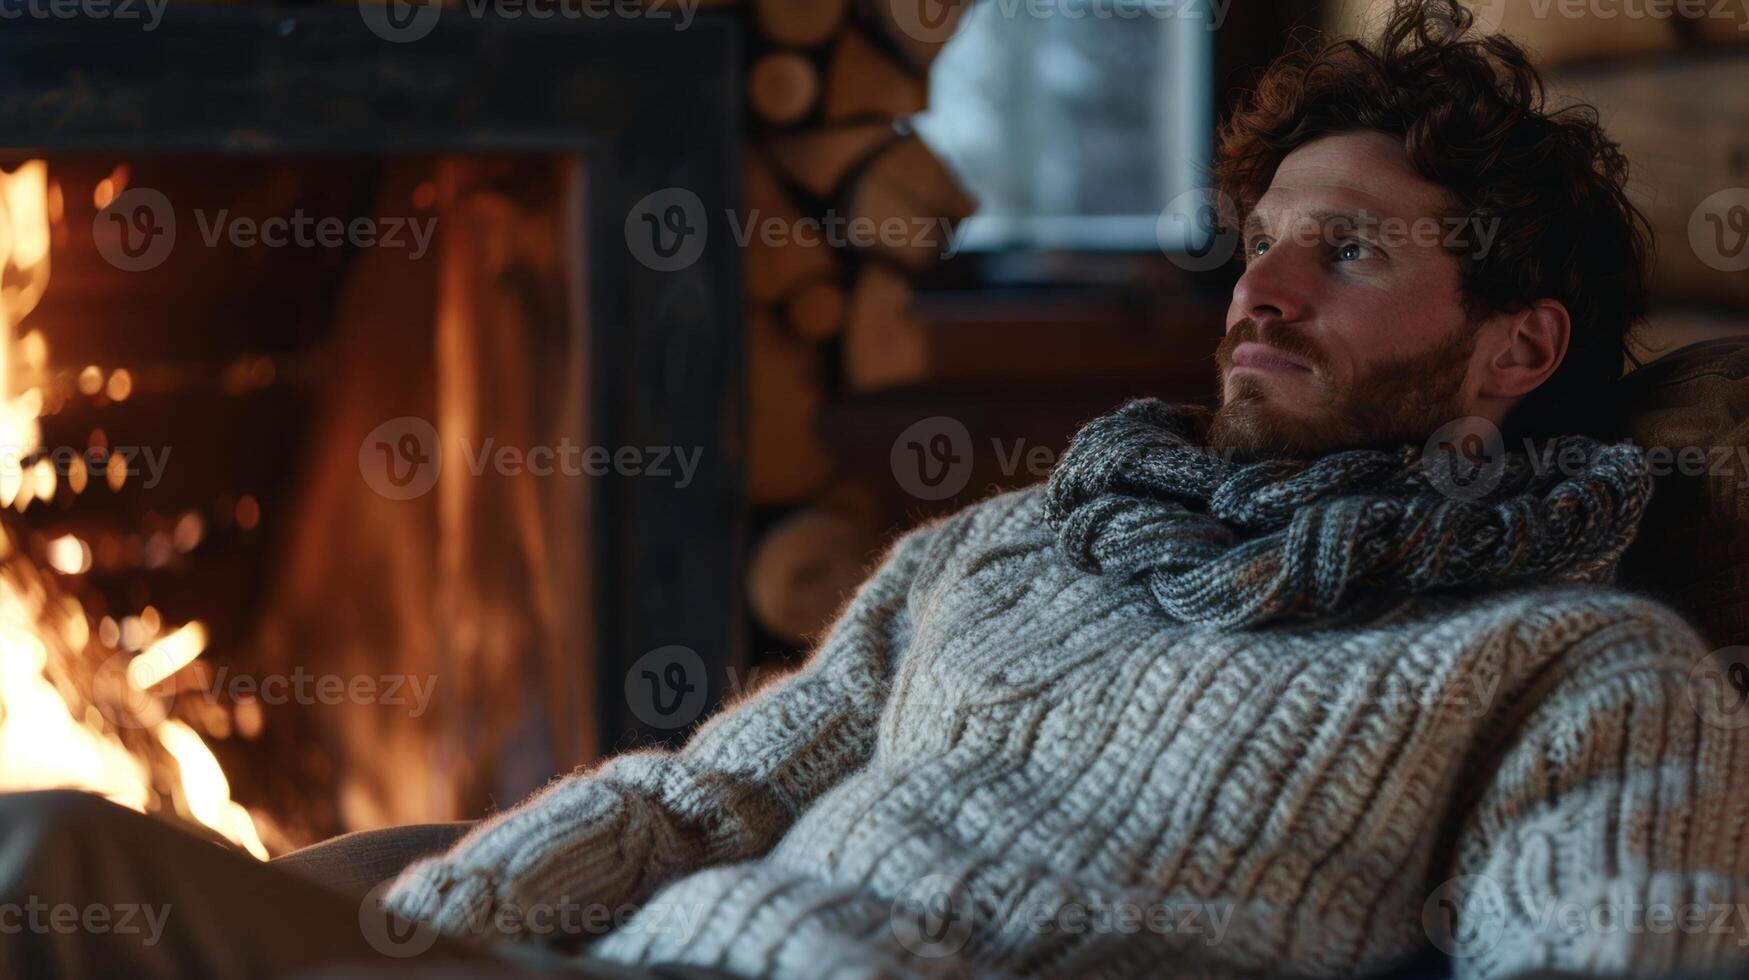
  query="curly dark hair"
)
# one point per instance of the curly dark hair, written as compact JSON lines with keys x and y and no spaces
{"x":1472,"y":115}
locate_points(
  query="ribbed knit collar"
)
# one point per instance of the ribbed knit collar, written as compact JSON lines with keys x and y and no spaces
{"x":1235,"y":545}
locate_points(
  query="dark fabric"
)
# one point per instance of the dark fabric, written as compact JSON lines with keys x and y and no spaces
{"x":353,"y":864}
{"x":89,"y":889}
{"x":176,"y":905}
{"x":1693,"y":548}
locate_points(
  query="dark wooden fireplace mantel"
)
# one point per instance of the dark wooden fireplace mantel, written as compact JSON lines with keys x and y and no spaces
{"x":649,"y":107}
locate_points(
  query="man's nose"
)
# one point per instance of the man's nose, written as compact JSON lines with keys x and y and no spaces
{"x":1270,"y":289}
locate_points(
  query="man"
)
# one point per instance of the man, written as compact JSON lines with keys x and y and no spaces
{"x":1284,"y":688}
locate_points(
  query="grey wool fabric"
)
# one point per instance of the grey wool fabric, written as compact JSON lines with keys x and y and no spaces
{"x":1171,"y":716}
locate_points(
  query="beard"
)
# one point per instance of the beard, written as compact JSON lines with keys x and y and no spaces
{"x":1397,"y":400}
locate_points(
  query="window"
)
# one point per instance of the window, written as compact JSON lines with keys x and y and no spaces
{"x":1077,"y":123}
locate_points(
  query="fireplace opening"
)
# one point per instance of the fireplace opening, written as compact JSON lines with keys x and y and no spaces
{"x":322,"y":355}
{"x":239,"y":528}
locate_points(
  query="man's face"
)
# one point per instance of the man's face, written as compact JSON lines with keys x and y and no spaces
{"x":1347,"y":327}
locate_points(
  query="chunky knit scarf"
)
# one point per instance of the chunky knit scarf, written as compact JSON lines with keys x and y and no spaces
{"x":1232,"y":545}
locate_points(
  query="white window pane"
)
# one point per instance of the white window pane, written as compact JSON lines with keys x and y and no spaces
{"x":1074,"y":122}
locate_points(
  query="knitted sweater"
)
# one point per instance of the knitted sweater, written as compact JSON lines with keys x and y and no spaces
{"x":998,"y":763}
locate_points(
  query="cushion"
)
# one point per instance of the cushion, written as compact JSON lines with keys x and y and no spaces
{"x":1690,"y":411}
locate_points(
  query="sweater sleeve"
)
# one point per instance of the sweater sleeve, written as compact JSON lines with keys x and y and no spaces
{"x":610,"y":836}
{"x":1613,"y":836}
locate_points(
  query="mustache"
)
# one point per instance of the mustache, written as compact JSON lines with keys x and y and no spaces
{"x":1283,"y":337}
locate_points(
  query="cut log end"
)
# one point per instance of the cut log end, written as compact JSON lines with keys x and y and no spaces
{"x":783,"y":88}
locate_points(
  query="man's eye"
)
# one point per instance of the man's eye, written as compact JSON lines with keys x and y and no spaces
{"x":1352,"y":252}
{"x":1258,"y":247}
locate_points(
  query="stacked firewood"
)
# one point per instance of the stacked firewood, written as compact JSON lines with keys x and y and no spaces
{"x":843,"y":207}
{"x":829,"y":162}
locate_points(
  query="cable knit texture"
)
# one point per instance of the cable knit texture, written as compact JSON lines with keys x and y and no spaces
{"x":1138,"y":494}
{"x":1168,"y":716}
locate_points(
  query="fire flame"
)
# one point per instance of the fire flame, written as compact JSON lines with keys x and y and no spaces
{"x":62,"y":722}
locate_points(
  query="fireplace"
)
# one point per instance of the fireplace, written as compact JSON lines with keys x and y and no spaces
{"x":373,"y":450}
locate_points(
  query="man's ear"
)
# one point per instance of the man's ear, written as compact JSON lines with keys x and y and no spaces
{"x":1523,"y":349}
